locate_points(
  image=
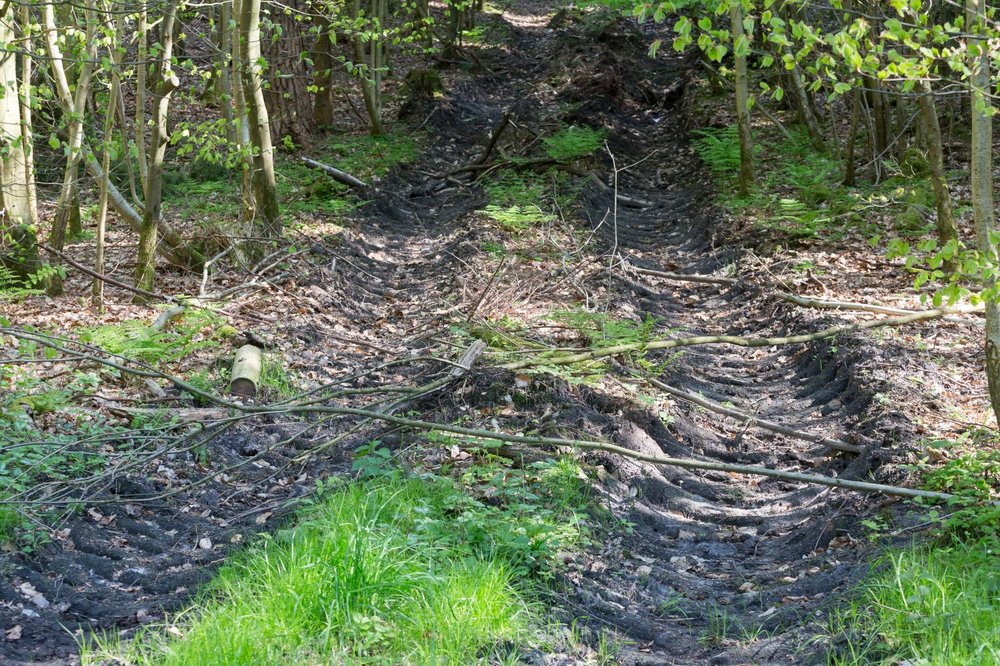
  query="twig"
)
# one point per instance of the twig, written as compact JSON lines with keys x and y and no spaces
{"x":820,"y":304}
{"x":494,"y":137}
{"x":727,"y":340}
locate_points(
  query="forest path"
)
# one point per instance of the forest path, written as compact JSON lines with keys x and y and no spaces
{"x":718,"y":568}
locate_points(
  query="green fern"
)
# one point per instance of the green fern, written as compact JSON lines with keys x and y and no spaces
{"x":573,"y":143}
{"x":134,"y":339}
{"x":13,"y":287}
{"x":602,"y":330}
{"x":719,"y":149}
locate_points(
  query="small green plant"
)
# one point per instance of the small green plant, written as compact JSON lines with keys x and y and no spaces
{"x":275,"y":380}
{"x":372,"y":460}
{"x":719,"y":149}
{"x":516,"y":219}
{"x":718,"y":630}
{"x":573,"y":143}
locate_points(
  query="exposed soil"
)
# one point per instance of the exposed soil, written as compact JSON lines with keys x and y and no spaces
{"x":764,"y":557}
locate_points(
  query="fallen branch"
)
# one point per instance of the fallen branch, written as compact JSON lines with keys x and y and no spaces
{"x":683,"y":277}
{"x":821,"y":304}
{"x":604,"y":352}
{"x":686,"y":463}
{"x":341,"y":177}
{"x":105,"y":278}
{"x":246,"y":371}
{"x":166,"y":317}
{"x":494,"y":137}
{"x":763,"y":424}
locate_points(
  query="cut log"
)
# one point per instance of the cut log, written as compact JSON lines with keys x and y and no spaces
{"x":246,"y":371}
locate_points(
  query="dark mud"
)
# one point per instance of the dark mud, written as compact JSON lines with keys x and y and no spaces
{"x":717,"y":569}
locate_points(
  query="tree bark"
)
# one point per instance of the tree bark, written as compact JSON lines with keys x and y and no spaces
{"x":935,"y":156}
{"x":145,"y":267}
{"x":982,"y":186}
{"x":74,"y":107}
{"x":852,"y":137}
{"x":15,"y":197}
{"x":140,"y":93}
{"x":286,"y":93}
{"x":323,"y":74}
{"x":366,"y":72}
{"x":97,"y":286}
{"x":27,"y":142}
{"x":747,"y":175}
{"x":267,"y":222}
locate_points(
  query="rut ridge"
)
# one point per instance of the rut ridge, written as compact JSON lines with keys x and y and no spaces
{"x":762,"y":557}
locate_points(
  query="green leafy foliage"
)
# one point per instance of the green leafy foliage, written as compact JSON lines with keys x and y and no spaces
{"x":573,"y":143}
{"x":603,"y":330}
{"x":196,"y":329}
{"x":719,"y":149}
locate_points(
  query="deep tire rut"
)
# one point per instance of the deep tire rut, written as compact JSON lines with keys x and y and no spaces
{"x":719,"y":568}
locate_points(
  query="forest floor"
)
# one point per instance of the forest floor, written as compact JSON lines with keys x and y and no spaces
{"x":705,"y":567}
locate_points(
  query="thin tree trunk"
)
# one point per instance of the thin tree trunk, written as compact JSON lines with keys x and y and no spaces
{"x":140,"y":93}
{"x":97,"y":287}
{"x":74,"y":106}
{"x":145,"y":267}
{"x":224,"y":91}
{"x":366,"y":77}
{"x":982,"y":186}
{"x":935,"y":156}
{"x":267,"y":222}
{"x":852,"y":137}
{"x":27,"y":143}
{"x":747,"y":176}
{"x":323,"y":77}
{"x":15,"y":196}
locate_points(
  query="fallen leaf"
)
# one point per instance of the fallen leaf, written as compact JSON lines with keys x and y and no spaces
{"x":14,"y":633}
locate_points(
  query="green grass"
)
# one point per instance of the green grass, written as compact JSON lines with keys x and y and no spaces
{"x":935,"y":603}
{"x":357,"y":581}
{"x":382,"y":570}
{"x":926,"y":605}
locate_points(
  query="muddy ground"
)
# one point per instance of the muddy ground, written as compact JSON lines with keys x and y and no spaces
{"x":717,"y":568}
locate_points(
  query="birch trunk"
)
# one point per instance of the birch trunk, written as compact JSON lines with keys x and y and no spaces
{"x":15,"y":197}
{"x":982,"y":186}
{"x":74,"y":107}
